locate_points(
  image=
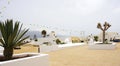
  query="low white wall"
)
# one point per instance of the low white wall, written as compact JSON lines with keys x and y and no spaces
{"x":37,"y":60}
{"x":44,"y":48}
{"x":102,"y":46}
{"x":70,"y":45}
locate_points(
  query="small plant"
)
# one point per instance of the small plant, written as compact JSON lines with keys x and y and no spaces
{"x":104,"y":28}
{"x":47,"y":43}
{"x":58,"y":41}
{"x":12,"y":36}
{"x":96,"y":38}
{"x":106,"y":41}
{"x":81,"y":41}
{"x":62,"y":43}
{"x":36,"y":40}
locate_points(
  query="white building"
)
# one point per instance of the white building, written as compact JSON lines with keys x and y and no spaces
{"x":109,"y":36}
{"x":51,"y":38}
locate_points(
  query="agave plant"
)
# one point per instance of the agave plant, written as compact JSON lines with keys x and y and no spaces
{"x":104,"y":28}
{"x":12,"y":36}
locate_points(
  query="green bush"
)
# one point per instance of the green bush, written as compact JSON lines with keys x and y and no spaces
{"x":12,"y":36}
{"x":36,"y":40}
{"x":62,"y":43}
{"x":58,"y":41}
{"x":96,"y":38}
{"x":81,"y":41}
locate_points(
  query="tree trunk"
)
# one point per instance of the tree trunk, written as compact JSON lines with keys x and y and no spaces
{"x":8,"y":53}
{"x":103,"y":36}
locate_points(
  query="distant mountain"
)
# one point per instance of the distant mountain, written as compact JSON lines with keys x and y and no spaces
{"x":31,"y":33}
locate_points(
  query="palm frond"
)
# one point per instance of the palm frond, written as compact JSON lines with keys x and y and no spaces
{"x":21,"y":34}
{"x":12,"y":33}
{"x":20,"y":42}
{"x":3,"y":43}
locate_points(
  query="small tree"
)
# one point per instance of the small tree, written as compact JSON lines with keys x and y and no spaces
{"x":12,"y":36}
{"x":104,"y":28}
{"x":44,"y":33}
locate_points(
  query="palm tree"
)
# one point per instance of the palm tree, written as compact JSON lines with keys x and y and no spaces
{"x":12,"y":36}
{"x":104,"y":28}
{"x":44,"y":33}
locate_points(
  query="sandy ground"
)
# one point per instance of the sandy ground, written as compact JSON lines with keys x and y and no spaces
{"x":80,"y":56}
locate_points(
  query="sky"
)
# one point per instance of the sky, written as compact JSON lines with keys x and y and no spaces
{"x":63,"y":16}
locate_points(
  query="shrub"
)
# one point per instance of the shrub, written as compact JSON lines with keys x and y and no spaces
{"x":62,"y":43}
{"x":96,"y":38}
{"x":58,"y":41}
{"x":12,"y":36}
{"x":36,"y":39}
{"x":81,"y":41}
